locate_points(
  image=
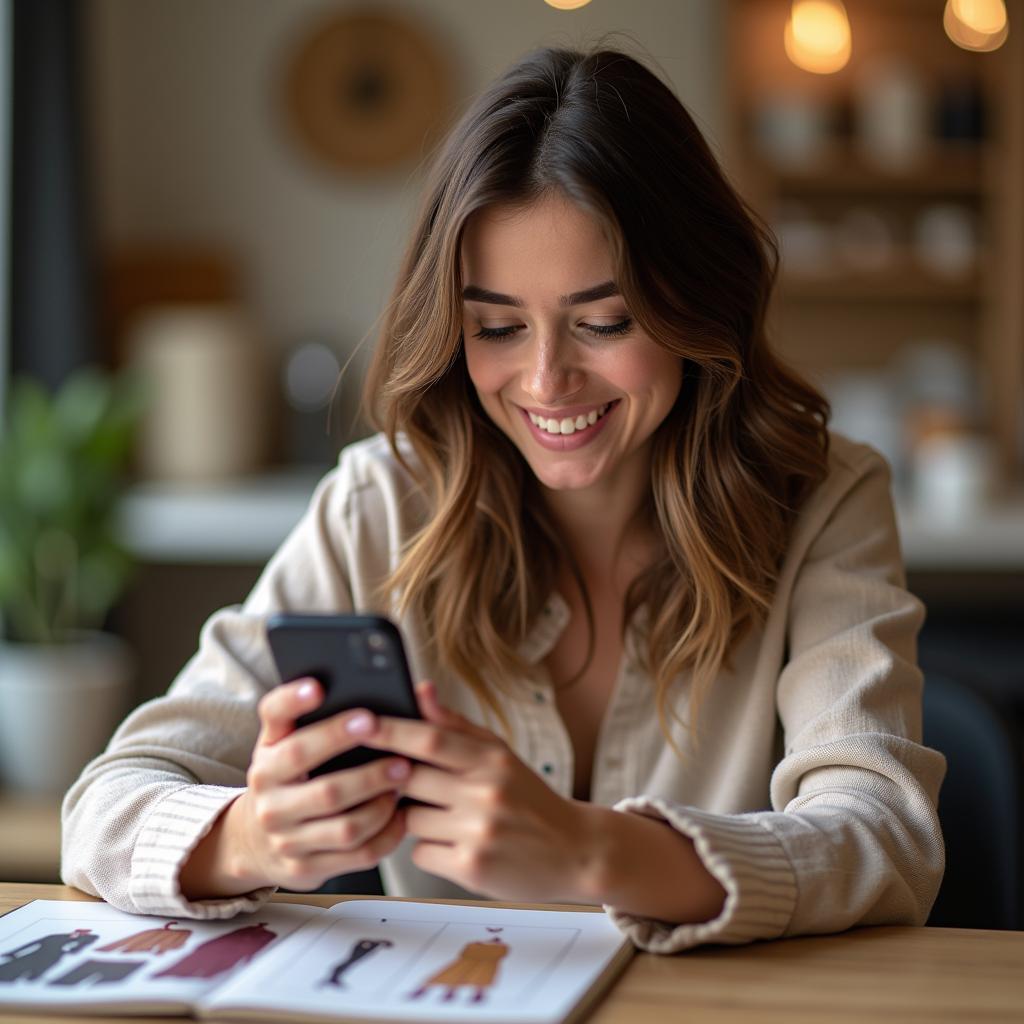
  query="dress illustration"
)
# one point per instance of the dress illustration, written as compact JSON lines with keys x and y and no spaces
{"x":99,"y":972}
{"x":33,"y":959}
{"x":152,"y":940}
{"x":222,"y":953}
{"x":476,"y":966}
{"x":363,"y":948}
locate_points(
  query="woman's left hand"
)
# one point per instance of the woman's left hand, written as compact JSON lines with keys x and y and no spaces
{"x":496,"y":828}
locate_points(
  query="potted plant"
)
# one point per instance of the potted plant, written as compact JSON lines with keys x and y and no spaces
{"x":63,"y":680}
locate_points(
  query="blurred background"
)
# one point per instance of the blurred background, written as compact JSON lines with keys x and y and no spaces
{"x":205,"y":205}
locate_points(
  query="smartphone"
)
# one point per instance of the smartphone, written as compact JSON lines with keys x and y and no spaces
{"x":360,"y":662}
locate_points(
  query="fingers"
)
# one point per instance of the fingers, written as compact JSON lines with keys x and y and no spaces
{"x":284,"y":806}
{"x":425,"y":741}
{"x":294,"y":755}
{"x":430,"y":785}
{"x":279,"y":708}
{"x":340,"y":832}
{"x":433,"y":824}
{"x":434,"y":711}
{"x":311,"y":871}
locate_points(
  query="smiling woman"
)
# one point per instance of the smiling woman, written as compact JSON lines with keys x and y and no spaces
{"x":661,"y":606}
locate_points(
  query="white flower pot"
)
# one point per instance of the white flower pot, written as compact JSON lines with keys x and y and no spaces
{"x":59,"y":705}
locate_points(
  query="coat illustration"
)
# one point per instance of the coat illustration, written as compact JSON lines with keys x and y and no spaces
{"x":215,"y":956}
{"x":35,"y":958}
{"x":153,"y":940}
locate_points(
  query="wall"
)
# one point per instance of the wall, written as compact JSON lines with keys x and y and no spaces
{"x":189,"y":144}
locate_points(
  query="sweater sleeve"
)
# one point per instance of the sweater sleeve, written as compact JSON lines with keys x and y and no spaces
{"x":138,"y":810}
{"x":852,"y":837}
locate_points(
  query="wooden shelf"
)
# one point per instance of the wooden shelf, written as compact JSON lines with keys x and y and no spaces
{"x":839,"y":320}
{"x":955,"y":172}
{"x":898,"y":286}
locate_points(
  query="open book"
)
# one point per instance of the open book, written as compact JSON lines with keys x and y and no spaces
{"x":382,"y":960}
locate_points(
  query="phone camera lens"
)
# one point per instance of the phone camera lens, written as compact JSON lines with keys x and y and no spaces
{"x":379,"y":660}
{"x":376,"y":641}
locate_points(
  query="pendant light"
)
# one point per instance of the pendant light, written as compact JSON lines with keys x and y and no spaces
{"x":817,"y":35}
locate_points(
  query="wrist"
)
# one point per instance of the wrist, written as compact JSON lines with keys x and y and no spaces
{"x":222,"y":863}
{"x":595,"y":842}
{"x":643,"y":866}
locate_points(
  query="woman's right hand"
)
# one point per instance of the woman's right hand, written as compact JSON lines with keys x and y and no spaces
{"x":287,"y":829}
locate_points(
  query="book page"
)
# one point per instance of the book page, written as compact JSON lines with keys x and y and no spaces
{"x":65,"y":955}
{"x":428,"y":962}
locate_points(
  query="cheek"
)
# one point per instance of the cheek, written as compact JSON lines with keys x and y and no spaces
{"x":488,"y":367}
{"x":645,"y":369}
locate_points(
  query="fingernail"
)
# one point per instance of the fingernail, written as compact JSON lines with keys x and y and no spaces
{"x":398,"y":769}
{"x":307,"y":690}
{"x":360,"y":723}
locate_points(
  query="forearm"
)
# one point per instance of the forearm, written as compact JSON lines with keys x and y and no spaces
{"x":645,"y":867}
{"x":218,"y":867}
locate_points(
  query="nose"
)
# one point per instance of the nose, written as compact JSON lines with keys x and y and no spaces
{"x":551,"y":374}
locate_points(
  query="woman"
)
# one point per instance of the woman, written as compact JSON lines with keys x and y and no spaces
{"x":662,"y":610}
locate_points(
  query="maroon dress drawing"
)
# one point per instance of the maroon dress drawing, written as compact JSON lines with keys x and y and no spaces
{"x":215,"y":956}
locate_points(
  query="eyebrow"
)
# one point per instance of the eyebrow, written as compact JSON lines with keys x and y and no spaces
{"x":598,"y":291}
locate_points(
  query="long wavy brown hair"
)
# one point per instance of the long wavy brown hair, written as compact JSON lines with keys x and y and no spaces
{"x":732,"y":463}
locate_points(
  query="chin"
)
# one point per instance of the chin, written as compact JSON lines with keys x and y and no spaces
{"x":564,"y":477}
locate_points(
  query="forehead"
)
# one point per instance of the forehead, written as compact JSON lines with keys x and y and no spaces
{"x":550,"y":246}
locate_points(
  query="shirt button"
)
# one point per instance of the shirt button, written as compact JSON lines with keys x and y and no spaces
{"x":547,"y":767}
{"x":538,"y":696}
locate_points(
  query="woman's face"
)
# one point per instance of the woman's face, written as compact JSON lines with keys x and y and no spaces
{"x":559,"y":365}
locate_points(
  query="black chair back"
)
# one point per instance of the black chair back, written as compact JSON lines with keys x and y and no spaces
{"x":979,"y":807}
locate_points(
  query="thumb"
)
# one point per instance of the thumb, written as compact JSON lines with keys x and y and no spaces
{"x":434,"y":711}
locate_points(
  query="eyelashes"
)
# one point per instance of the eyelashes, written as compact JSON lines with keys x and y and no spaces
{"x":597,"y":330}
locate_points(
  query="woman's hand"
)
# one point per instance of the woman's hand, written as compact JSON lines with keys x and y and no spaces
{"x":289,"y":830}
{"x":496,"y":828}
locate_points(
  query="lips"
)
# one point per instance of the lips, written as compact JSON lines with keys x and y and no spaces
{"x":570,"y":428}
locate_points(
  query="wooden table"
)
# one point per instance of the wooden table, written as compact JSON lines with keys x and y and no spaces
{"x":885,"y":974}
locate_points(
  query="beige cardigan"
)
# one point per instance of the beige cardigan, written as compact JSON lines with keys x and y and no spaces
{"x":809,"y":795}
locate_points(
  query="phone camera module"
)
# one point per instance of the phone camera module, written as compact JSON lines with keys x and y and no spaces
{"x":376,"y":641}
{"x":379,"y":660}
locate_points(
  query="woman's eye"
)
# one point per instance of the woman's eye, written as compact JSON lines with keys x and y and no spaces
{"x":615,"y":330}
{"x":610,"y":330}
{"x":496,"y":333}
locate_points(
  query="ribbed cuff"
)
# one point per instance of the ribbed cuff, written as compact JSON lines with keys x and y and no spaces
{"x":743,"y":856}
{"x":171,"y":832}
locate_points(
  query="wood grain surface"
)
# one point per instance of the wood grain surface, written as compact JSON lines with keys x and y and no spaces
{"x":886,"y":974}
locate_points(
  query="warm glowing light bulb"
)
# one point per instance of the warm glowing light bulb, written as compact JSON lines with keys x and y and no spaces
{"x":567,"y":5}
{"x":968,"y":36}
{"x":817,"y":35}
{"x":985,"y":16}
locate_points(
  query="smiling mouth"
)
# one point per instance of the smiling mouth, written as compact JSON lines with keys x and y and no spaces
{"x":561,"y":427}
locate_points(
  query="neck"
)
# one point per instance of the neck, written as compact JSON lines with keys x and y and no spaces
{"x":598,"y":524}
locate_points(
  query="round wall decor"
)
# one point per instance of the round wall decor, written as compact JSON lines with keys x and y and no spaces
{"x":367,"y":90}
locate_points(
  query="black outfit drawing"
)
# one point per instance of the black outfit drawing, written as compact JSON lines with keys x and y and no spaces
{"x":98,"y":972}
{"x":35,"y":958}
{"x":363,"y":948}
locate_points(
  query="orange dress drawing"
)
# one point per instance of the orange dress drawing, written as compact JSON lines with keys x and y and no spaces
{"x":153,"y":940}
{"x":476,"y":966}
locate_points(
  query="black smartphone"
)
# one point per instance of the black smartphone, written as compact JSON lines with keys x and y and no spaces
{"x":360,"y":662}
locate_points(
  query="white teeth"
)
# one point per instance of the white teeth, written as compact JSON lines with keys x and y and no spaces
{"x":569,"y":425}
